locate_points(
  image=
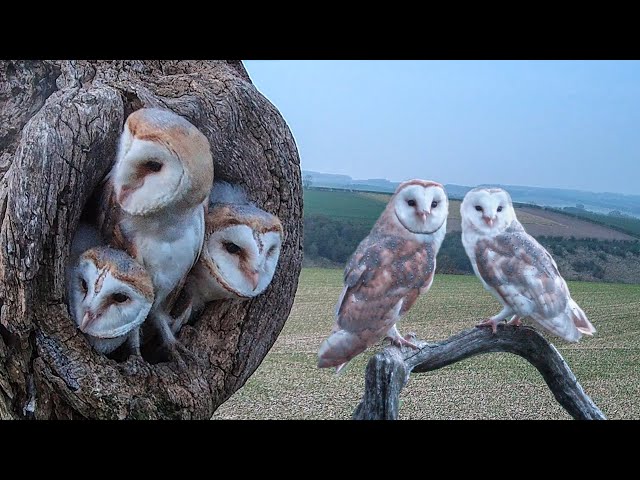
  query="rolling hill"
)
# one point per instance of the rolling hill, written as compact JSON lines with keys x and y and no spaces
{"x":596,"y":248}
{"x":364,"y":208}
{"x":600,"y":202}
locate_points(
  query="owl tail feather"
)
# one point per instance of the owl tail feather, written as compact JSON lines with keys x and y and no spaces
{"x":580,"y":320}
{"x":570,"y":324}
{"x":340,"y":347}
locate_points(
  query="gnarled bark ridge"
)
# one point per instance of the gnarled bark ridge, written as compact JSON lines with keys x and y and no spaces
{"x":388,"y":371}
{"x":59,"y":126}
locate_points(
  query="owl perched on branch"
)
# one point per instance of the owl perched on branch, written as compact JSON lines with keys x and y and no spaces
{"x":390,"y":268}
{"x":516,"y":269}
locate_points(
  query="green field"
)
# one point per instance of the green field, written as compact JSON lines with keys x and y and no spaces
{"x":364,"y":208}
{"x":624,"y":224}
{"x":354,"y":206}
{"x":288,"y":384}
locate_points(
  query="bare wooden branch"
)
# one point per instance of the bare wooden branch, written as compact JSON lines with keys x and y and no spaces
{"x":388,"y":371}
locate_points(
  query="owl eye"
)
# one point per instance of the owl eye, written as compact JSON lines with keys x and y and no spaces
{"x":434,"y":204}
{"x":153,"y":166}
{"x":232,"y":248}
{"x":119,"y":297}
{"x":271,"y":251}
{"x":411,"y":203}
{"x":500,"y":208}
{"x":83,"y":285}
{"x":478,"y":208}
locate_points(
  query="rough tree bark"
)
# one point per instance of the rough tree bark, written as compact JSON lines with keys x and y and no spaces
{"x":59,"y":125}
{"x":388,"y":371}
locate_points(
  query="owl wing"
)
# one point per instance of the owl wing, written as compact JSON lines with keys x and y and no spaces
{"x":522,"y":273}
{"x":383,"y":279}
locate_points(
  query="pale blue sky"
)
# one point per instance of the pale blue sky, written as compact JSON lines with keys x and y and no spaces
{"x":567,"y":124}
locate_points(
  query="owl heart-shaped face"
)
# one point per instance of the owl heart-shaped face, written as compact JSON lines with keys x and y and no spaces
{"x":488,"y":211}
{"x":110,"y":293}
{"x":422,"y":207}
{"x":163,"y":162}
{"x":246,"y":258}
{"x":149,"y":178}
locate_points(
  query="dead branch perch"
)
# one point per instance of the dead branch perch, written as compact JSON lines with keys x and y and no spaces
{"x":388,"y":371}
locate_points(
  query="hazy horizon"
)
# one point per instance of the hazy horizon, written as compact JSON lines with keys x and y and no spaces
{"x":362,"y":177}
{"x":546,"y":124}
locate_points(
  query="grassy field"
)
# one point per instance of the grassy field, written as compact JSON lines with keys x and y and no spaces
{"x":289,"y":386}
{"x":627,"y":224}
{"x":365,"y":208}
{"x":357,"y":207}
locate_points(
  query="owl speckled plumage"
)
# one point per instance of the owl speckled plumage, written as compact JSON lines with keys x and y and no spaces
{"x":516,"y":269}
{"x":390,"y":268}
{"x":240,"y":252}
{"x":154,"y":200}
{"x":109,"y":293}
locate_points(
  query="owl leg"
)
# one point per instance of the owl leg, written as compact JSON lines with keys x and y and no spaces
{"x":340,"y":367}
{"x":496,"y":319}
{"x":181,"y":319}
{"x":133,"y":341}
{"x":162,"y":320}
{"x":515,"y":321}
{"x":398,"y":340}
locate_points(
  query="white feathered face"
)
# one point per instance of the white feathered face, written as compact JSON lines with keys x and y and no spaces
{"x":489,"y":211}
{"x":147,"y":176}
{"x":246,"y":259}
{"x":421,"y":209}
{"x":105,"y":306}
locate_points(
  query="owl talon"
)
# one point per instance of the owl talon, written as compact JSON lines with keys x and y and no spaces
{"x":134,"y":364}
{"x":515,"y":321}
{"x":403,"y":342}
{"x":489,"y":322}
{"x":340,"y":367}
{"x":179,"y":354}
{"x":181,"y":319}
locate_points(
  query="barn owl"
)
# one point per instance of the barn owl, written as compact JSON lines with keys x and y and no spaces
{"x":109,"y":293}
{"x":241,"y":249}
{"x":390,"y":268}
{"x":154,"y":200}
{"x":515,"y":268}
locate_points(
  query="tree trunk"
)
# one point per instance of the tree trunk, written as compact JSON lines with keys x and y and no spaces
{"x":59,"y":126}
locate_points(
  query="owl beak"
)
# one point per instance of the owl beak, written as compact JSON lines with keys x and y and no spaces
{"x":87,"y":320}
{"x":254,"y":278}
{"x":423,"y":215}
{"x":489,"y":221}
{"x":126,"y":190}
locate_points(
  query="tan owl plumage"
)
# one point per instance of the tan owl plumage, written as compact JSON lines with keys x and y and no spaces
{"x":154,"y":200}
{"x":390,"y":268}
{"x":515,"y":268}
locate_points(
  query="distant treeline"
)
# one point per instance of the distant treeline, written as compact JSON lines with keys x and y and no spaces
{"x":332,"y":241}
{"x":622,"y":223}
